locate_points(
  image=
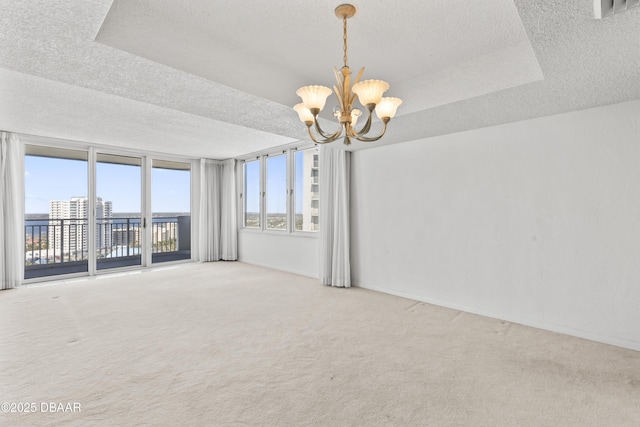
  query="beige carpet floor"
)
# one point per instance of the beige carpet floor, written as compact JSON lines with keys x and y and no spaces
{"x":230,"y":344}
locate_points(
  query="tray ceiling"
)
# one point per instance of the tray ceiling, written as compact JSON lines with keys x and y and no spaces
{"x":217,"y":79}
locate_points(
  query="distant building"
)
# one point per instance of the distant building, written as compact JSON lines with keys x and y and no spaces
{"x":104,"y":219}
{"x":67,"y":230}
{"x":125,"y":235}
{"x":310,"y":193}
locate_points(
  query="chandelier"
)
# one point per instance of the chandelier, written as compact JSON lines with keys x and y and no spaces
{"x":369,"y":92}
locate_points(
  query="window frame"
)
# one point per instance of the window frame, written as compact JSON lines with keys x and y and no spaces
{"x":243,"y":192}
{"x":293,"y":190}
{"x":262,"y":158}
{"x":265,"y":190}
{"x":54,"y":147}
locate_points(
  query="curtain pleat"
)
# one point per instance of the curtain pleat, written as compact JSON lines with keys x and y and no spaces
{"x":335,"y":267}
{"x":218,"y":238}
{"x":11,"y":211}
{"x":210,"y":171}
{"x":228,"y":214}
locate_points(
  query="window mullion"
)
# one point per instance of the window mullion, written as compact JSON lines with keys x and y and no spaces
{"x":290,"y":212}
{"x":263,"y":192}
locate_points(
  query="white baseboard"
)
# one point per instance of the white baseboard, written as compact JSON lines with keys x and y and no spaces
{"x":618,"y":342}
{"x":288,"y":270}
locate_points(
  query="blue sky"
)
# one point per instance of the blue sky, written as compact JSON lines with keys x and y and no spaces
{"x":60,"y":179}
{"x":170,"y":190}
{"x":276,"y":193}
{"x":277,"y":184}
{"x":252,"y":185}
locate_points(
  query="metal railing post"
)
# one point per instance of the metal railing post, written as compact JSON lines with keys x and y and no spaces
{"x":62,"y":240}
{"x":128,"y":237}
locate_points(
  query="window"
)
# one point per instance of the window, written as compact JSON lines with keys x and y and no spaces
{"x":55,"y":212}
{"x":306,"y":190}
{"x":171,"y":211}
{"x":119,"y":227}
{"x":276,"y":197}
{"x":86,"y":210}
{"x":281,"y":191}
{"x":252,"y":192}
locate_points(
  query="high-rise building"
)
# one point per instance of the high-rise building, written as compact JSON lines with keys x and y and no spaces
{"x":310,"y":194}
{"x":67,"y":230}
{"x":104,"y":216}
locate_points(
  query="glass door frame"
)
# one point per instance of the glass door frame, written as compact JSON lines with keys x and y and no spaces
{"x":145,"y":209}
{"x":177,"y":229}
{"x":145,"y":206}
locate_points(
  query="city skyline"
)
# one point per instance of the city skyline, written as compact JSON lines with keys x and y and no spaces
{"x":75,"y":212}
{"x":48,"y":179}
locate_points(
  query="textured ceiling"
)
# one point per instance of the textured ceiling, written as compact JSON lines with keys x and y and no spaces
{"x":217,"y":78}
{"x":270,"y":52}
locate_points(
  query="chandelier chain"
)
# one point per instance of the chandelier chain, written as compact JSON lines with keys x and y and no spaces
{"x":344,"y":38}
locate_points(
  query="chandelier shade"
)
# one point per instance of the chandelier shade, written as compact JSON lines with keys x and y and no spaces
{"x":304,"y":113}
{"x":387,"y":107}
{"x":368,"y":92}
{"x":314,"y":97}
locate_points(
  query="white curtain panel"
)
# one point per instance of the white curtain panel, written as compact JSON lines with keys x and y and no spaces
{"x":228,"y":214}
{"x":218,"y":238}
{"x":11,"y":211}
{"x":209,"y":239}
{"x":335,"y":267}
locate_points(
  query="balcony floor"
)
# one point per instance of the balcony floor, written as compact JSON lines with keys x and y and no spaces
{"x":46,"y":270}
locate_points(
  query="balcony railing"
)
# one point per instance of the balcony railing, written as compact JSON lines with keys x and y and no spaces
{"x":55,"y":241}
{"x":54,"y":245}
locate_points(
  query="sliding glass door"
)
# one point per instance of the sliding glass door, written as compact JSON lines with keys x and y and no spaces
{"x":89,"y":211}
{"x":171,"y":211}
{"x":119,"y":224}
{"x":56,"y":221}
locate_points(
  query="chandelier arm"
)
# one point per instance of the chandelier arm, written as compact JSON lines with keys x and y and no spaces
{"x":366,"y":139}
{"x":366,"y":128}
{"x":328,"y":137}
{"x":318,"y":140}
{"x":348,"y":131}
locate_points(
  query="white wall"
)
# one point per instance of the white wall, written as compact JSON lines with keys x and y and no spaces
{"x":536,"y":222}
{"x":283,"y":251}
